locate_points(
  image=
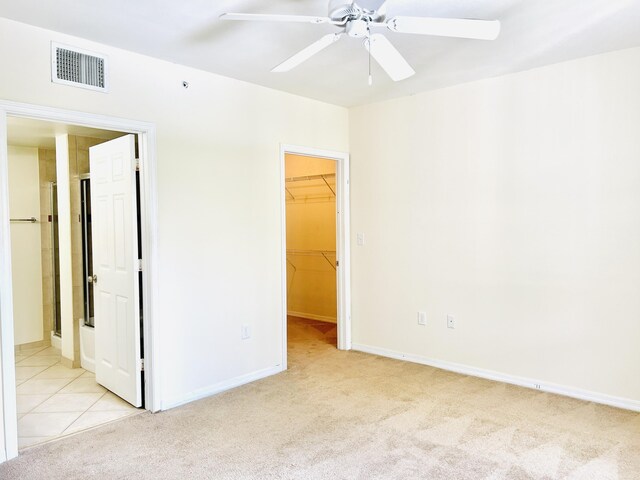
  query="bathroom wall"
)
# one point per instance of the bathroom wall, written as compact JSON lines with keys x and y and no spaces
{"x":24,"y":202}
{"x":311,"y":229}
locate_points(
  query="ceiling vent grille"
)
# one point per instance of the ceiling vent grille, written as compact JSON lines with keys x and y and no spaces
{"x":79,"y":68}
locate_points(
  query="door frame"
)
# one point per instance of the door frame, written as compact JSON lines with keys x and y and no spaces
{"x":146,"y":133}
{"x":343,"y":247}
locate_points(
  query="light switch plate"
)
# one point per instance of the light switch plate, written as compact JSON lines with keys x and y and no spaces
{"x":360,"y":239}
{"x":422,"y":318}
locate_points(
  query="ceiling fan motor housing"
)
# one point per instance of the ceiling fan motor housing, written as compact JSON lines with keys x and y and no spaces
{"x":344,"y":10}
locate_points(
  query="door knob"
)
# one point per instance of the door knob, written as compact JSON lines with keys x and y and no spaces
{"x":92,"y":279}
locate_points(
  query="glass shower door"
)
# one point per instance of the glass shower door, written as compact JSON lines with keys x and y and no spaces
{"x":87,"y":254}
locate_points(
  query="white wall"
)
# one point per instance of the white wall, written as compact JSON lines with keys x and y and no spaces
{"x":514,"y":204}
{"x":218,"y":197}
{"x":26,"y":259}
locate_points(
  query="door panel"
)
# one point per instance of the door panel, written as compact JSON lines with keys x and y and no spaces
{"x":116,"y":290}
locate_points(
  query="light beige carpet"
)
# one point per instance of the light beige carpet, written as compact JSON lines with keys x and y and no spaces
{"x":347,"y":415}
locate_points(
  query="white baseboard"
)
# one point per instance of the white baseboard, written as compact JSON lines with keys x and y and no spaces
{"x":220,"y":387}
{"x":619,"y":402}
{"x":313,"y":316}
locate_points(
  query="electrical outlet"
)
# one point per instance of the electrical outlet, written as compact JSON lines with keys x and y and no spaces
{"x":451,"y":321}
{"x":422,"y":318}
{"x":360,"y":239}
{"x":245,"y":332}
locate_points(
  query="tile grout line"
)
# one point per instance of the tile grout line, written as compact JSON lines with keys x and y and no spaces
{"x":29,"y":356}
{"x":59,"y":392}
{"x":52,"y":394}
{"x":30,"y":378}
{"x":61,"y":434}
{"x":86,"y":410}
{"x":52,"y":437}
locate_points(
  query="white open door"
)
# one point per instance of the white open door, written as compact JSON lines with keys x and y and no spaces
{"x":115,"y":267}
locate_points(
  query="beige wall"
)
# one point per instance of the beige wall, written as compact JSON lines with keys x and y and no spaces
{"x":514,"y":204}
{"x":24,"y":202}
{"x":311,"y":238}
{"x":219,"y":194}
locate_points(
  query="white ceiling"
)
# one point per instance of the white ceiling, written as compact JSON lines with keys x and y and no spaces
{"x":188,"y":32}
{"x":26,"y":132}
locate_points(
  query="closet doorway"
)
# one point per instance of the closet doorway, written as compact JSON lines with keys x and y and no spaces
{"x":316,"y":250}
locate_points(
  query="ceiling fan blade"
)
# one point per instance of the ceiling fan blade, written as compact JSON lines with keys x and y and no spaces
{"x":307,"y":52}
{"x":446,"y":27}
{"x":259,"y":17}
{"x":388,"y":57}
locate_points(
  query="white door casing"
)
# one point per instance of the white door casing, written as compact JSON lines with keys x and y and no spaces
{"x":115,"y":268}
{"x":343,"y":247}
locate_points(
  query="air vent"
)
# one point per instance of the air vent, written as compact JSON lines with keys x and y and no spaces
{"x":79,"y":68}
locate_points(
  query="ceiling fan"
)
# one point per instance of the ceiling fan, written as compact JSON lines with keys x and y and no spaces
{"x":358,"y":18}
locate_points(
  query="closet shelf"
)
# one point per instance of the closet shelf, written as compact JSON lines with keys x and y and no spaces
{"x":326,"y":254}
{"x":311,"y":186}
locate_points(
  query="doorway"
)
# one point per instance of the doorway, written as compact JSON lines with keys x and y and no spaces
{"x":59,"y":120}
{"x":312,"y":304}
{"x":58,"y":390}
{"x":315,"y":193}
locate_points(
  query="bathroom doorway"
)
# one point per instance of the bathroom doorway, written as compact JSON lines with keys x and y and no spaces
{"x":42,"y":355}
{"x":57,"y":393}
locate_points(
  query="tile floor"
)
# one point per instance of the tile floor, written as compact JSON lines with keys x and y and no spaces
{"x":54,"y":400}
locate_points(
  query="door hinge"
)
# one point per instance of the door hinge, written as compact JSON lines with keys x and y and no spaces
{"x":137,"y":164}
{"x":337,"y":263}
{"x":139,"y":264}
{"x":142,"y":364}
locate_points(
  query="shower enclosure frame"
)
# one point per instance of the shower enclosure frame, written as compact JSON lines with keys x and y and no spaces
{"x":55,"y":261}
{"x":87,"y":267}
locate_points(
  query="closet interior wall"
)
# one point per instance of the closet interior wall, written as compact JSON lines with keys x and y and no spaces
{"x":310,"y":185}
